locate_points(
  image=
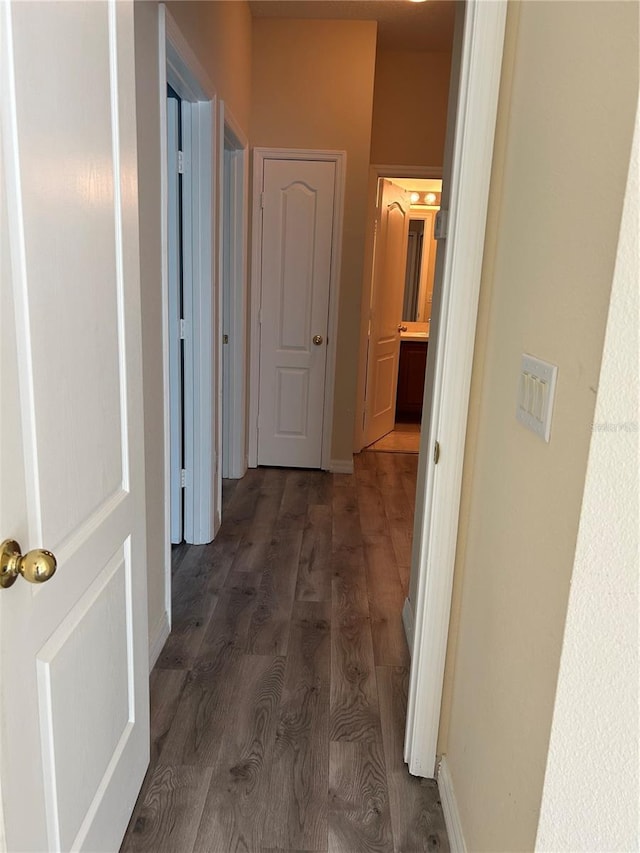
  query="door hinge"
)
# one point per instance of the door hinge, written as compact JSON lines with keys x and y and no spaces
{"x":180,"y":163}
{"x":183,"y":329}
{"x":259,"y":316}
{"x":436,"y":453}
{"x":225,"y":339}
{"x":261,"y":200}
{"x":441,"y":225}
{"x":183,"y":478}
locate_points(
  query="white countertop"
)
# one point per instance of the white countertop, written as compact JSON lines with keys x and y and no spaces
{"x":418,"y":331}
{"x":415,"y":336}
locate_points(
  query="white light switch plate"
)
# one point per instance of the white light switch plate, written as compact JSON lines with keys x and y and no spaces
{"x":536,"y":390}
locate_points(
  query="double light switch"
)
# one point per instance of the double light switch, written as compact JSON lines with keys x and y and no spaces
{"x":536,"y":388}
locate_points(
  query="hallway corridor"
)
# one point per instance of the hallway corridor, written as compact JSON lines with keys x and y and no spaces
{"x":278,"y":703}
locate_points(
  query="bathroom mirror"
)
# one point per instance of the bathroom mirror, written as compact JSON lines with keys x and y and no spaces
{"x":421,"y":256}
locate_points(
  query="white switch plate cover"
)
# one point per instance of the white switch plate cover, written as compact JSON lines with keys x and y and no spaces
{"x":536,"y":391}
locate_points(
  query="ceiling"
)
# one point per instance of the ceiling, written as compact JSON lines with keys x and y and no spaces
{"x":402,"y":25}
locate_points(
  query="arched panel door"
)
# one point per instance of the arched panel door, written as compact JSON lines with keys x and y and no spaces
{"x":297,"y":229}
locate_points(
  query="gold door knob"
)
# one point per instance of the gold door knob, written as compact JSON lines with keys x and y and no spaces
{"x":317,"y":339}
{"x":402,"y":328}
{"x":36,"y":566}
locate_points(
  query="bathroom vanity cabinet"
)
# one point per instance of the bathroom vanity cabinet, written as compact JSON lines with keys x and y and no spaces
{"x":411,"y":373}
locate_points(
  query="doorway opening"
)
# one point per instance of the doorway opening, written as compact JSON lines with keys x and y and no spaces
{"x":188,"y":211}
{"x":295,"y":326}
{"x":406,"y":273}
{"x":175,"y":257}
{"x":191,"y":315}
{"x":449,"y":409}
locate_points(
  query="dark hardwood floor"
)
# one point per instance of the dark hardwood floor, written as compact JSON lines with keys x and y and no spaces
{"x":278,"y":703}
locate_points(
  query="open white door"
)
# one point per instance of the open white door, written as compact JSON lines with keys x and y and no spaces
{"x":74,"y":664}
{"x":389,"y":266}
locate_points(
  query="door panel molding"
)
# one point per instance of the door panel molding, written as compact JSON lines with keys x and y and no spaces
{"x":339,"y":158}
{"x":72,"y":658}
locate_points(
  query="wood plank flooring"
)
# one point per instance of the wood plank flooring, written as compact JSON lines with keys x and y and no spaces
{"x":278,"y":703}
{"x":404,"y":438}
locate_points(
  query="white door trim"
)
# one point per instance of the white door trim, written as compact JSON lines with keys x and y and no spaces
{"x":436,"y":528}
{"x":175,"y":358}
{"x":179,"y":66}
{"x":233,"y":392}
{"x":340,"y":160}
{"x":376,"y":171}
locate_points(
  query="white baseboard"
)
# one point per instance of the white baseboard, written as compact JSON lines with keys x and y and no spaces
{"x":341,"y":466}
{"x":450,"y":808}
{"x":407,"y":621}
{"x":158,"y":638}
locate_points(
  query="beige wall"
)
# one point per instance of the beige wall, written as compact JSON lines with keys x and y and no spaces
{"x":312,"y":87}
{"x":592,"y":780}
{"x":220,"y":36}
{"x":567,"y":124}
{"x":219,"y":33}
{"x":410,"y":107}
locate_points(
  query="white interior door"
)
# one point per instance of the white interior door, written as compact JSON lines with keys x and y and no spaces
{"x":389,"y":267}
{"x":174,"y":263}
{"x":74,"y":664}
{"x":297,"y":217}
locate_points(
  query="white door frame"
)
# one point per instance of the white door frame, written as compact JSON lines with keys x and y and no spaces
{"x":234,"y":228}
{"x":376,"y":171}
{"x":179,"y":67}
{"x":436,"y":523}
{"x":340,"y":160}
{"x":175,"y":357}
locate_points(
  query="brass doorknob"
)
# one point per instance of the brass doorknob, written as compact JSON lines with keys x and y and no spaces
{"x":317,"y":339}
{"x":36,"y":566}
{"x":402,"y":327}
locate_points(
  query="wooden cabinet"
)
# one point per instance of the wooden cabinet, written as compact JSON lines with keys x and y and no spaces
{"x":411,"y":372}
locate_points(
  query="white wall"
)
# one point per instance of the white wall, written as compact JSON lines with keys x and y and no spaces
{"x":591,"y":798}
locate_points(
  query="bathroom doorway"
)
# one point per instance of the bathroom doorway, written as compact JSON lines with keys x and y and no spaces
{"x":403,"y":266}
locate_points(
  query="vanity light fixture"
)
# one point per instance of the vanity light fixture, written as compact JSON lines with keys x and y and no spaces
{"x":414,"y":198}
{"x":430,"y":198}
